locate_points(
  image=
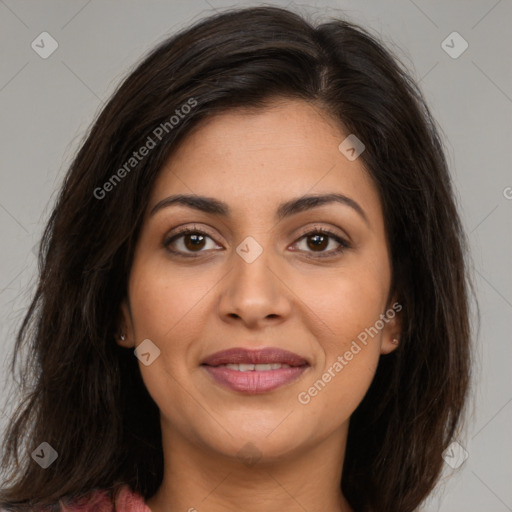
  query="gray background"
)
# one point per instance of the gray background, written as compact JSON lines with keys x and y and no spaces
{"x":46,"y":106}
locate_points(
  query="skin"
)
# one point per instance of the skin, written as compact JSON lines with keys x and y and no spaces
{"x":289,"y":297}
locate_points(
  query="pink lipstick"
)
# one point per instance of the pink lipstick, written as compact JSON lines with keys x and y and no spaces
{"x":254,"y":371}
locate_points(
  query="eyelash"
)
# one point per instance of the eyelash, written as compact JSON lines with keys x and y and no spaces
{"x":318,"y":231}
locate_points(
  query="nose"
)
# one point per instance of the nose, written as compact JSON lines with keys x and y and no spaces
{"x":255,"y":293}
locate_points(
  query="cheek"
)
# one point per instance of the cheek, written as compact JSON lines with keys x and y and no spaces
{"x":340,"y":388}
{"x":169,"y":308}
{"x":350,"y":345}
{"x":166,"y":303}
{"x":348,"y":303}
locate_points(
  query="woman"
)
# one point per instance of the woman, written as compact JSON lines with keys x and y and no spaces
{"x":262,"y":214}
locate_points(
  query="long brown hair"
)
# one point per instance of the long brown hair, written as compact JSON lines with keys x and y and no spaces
{"x":83,"y":394}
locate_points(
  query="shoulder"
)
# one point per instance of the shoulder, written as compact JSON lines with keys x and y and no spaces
{"x":99,"y":500}
{"x":129,"y":501}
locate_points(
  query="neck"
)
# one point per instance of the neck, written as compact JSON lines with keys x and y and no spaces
{"x":197,"y":478}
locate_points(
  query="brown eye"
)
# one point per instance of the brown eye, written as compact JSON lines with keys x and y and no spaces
{"x":190,"y":242}
{"x":193,"y":241}
{"x":187,"y":242}
{"x":318,"y":240}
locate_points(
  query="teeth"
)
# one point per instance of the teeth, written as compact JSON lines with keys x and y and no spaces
{"x":246,"y":367}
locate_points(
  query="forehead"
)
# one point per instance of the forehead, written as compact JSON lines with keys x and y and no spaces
{"x":256,"y":158}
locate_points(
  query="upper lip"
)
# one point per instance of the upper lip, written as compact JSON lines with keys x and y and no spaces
{"x":241,"y":355}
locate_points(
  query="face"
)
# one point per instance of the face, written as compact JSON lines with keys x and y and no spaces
{"x":261,"y":276}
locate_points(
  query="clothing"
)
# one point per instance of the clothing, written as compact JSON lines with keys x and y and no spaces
{"x":99,"y":501}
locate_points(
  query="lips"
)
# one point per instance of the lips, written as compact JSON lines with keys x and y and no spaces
{"x":260,"y":356}
{"x":254,"y":371}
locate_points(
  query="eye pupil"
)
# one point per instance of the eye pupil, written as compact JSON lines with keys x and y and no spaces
{"x":194,"y":241}
{"x":317,"y":245}
{"x":195,"y":244}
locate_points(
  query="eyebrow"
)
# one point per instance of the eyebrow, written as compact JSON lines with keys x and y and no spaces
{"x":286,"y":209}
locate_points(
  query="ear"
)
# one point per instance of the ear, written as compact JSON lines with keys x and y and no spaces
{"x":392,"y":330}
{"x":125,"y":326}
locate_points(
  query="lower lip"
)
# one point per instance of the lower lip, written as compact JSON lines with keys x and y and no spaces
{"x":254,"y":382}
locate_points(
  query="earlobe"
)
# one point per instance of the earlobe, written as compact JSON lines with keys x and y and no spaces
{"x":392,"y":330}
{"x":123,"y":337}
{"x":390,"y":344}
